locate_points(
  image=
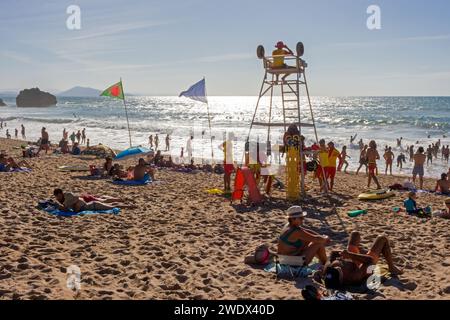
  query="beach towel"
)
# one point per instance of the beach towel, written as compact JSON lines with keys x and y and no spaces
{"x":50,"y":207}
{"x":287,"y":271}
{"x":16,"y":170}
{"x":144,"y":182}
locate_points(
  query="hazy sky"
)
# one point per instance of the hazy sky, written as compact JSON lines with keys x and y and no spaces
{"x":162,"y":47}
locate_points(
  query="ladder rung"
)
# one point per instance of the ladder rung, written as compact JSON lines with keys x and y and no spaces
{"x":290,"y":109}
{"x":290,"y":100}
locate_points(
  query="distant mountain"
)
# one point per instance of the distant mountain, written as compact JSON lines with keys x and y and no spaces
{"x":80,"y":92}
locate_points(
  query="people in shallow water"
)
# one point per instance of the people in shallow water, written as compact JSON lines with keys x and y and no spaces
{"x":351,"y":266}
{"x":295,"y":240}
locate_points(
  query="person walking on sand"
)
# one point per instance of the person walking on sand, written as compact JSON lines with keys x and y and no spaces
{"x":372,"y":157}
{"x":389,"y":158}
{"x":16,"y":133}
{"x":362,"y":159}
{"x":83,"y":136}
{"x":8,"y":136}
{"x":23,"y":131}
{"x":78,"y":135}
{"x":167,"y":142}
{"x":150,"y":141}
{"x":419,"y":161}
{"x":156,"y":142}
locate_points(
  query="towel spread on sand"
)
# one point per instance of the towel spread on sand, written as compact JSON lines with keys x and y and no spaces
{"x":283,"y":270}
{"x":143,"y":182}
{"x":17,"y":170}
{"x":48,"y":206}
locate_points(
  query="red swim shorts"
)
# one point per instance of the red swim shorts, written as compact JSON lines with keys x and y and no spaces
{"x":330,"y":172}
{"x":372,"y":168}
{"x":228,"y":168}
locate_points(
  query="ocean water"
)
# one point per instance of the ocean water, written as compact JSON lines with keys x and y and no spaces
{"x":381,"y":118}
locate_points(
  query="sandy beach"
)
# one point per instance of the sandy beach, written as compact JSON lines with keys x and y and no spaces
{"x":182,"y":243}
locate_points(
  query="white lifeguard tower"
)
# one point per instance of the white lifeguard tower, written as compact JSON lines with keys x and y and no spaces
{"x":289,"y":78}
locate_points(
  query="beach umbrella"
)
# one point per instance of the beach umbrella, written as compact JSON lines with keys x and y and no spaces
{"x":133,"y":153}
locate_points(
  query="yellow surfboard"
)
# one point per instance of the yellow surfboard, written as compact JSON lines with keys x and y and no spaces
{"x":376,"y":195}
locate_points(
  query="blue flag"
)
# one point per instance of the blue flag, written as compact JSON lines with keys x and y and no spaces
{"x":196,"y":92}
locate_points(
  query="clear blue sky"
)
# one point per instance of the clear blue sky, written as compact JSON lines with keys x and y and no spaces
{"x":161,"y":47}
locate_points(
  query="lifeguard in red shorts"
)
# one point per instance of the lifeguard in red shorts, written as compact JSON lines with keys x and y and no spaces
{"x":323,"y":163}
{"x":228,"y":163}
{"x":330,"y":169}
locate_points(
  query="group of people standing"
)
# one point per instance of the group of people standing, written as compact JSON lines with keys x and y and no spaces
{"x":154,"y":142}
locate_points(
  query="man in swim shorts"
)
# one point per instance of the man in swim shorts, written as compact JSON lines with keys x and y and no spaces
{"x":44,"y":141}
{"x":70,"y":201}
{"x":372,"y":157}
{"x":419,"y":161}
{"x":350,"y":266}
{"x":323,"y":163}
{"x":227,"y":148}
{"x":330,"y":169}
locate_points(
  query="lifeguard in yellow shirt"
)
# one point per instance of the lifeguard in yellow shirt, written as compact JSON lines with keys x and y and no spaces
{"x":330,"y":169}
{"x":279,"y":54}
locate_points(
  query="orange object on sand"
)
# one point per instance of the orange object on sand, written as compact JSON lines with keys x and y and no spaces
{"x":244,"y":177}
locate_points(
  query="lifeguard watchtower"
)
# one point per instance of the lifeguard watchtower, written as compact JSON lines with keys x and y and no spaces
{"x":288,"y":78}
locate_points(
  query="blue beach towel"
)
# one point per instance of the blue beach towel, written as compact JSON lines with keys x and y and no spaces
{"x":47,"y":206}
{"x":143,"y":182}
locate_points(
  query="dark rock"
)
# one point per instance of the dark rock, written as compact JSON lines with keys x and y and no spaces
{"x":2,"y":104}
{"x":35,"y":98}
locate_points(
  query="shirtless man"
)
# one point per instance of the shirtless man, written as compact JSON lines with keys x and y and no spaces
{"x":429,"y":155}
{"x":68,"y":201}
{"x":443,"y":185}
{"x":372,"y":157}
{"x":419,"y":161}
{"x":389,"y":158}
{"x":6,"y":164}
{"x":350,"y":267}
{"x":44,"y":141}
{"x":141,"y":170}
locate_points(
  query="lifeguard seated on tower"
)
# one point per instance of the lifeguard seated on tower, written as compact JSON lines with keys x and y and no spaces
{"x":279,"y":54}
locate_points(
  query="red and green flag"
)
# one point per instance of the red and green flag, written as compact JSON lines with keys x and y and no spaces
{"x":115,"y":91}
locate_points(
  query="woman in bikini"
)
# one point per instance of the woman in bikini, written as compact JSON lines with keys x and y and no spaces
{"x":298,"y":241}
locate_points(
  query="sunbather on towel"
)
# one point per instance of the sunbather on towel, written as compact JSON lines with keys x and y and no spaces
{"x":70,"y":201}
{"x":349,"y":267}
{"x":298,"y":241}
{"x":6,"y":164}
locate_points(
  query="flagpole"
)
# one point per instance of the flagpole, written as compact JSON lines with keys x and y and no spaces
{"x":209,"y":123}
{"x":126,"y":112}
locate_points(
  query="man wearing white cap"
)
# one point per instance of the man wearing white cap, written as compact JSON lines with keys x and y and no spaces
{"x":298,"y":241}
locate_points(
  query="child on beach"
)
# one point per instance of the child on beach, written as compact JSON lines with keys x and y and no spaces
{"x":411,"y":206}
{"x":372,"y":157}
{"x":400,"y":160}
{"x":362,"y":159}
{"x":343,"y":160}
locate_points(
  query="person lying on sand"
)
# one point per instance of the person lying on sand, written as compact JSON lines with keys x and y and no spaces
{"x":141,"y":170}
{"x":444,"y":213}
{"x":443,"y":185}
{"x":295,"y":240}
{"x":70,"y":201}
{"x":6,"y":164}
{"x":349,"y":267}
